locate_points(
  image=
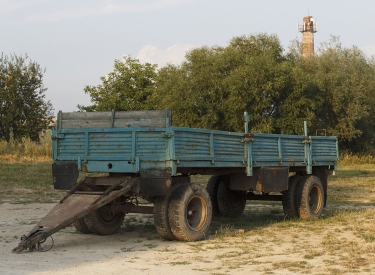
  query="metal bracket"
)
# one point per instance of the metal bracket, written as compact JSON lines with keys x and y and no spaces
{"x":168,"y":135}
{"x":58,"y":136}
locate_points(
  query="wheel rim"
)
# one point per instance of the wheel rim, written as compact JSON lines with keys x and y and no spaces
{"x":106,"y":216}
{"x":196,"y":213}
{"x":315,"y":199}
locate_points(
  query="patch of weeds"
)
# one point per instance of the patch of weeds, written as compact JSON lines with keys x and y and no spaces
{"x":313,"y":254}
{"x":131,"y":219}
{"x":203,"y":270}
{"x":258,"y":240}
{"x":167,"y":249}
{"x":127,"y":249}
{"x":234,"y":264}
{"x":202,"y":260}
{"x":291,"y":265}
{"x":150,"y":245}
{"x":331,"y":243}
{"x":224,"y":232}
{"x":230,"y":254}
{"x":197,"y":246}
{"x":137,"y":241}
{"x":334,"y":271}
{"x":122,"y":240}
{"x":180,"y":263}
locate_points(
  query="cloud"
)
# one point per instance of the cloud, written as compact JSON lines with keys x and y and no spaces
{"x":12,"y":5}
{"x":104,"y":8}
{"x":172,"y":55}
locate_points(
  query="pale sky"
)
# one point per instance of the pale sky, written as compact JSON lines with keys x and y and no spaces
{"x":77,"y":41}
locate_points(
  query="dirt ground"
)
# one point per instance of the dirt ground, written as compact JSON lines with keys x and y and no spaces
{"x":139,"y":250}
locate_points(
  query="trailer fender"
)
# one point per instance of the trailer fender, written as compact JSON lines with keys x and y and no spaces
{"x":65,"y":175}
{"x":156,"y":182}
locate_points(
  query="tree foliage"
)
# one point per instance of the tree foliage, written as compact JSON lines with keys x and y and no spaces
{"x":216,"y":85}
{"x":333,"y":90}
{"x":126,"y":88}
{"x":345,"y":78}
{"x":23,"y":109}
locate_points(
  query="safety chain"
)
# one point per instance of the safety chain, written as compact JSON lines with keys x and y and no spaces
{"x":27,"y":242}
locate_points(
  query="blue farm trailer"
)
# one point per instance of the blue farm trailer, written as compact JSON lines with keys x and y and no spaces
{"x":106,"y":160}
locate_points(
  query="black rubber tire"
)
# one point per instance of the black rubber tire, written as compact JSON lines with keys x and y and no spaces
{"x":212,"y":187}
{"x":100,"y":222}
{"x":290,"y":197}
{"x":190,"y":212}
{"x":311,"y":198}
{"x":81,"y":226}
{"x":230,"y":203}
{"x":161,"y":220}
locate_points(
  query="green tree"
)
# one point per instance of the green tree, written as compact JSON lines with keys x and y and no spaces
{"x":194,"y":90}
{"x":24,"y":112}
{"x":126,"y":88}
{"x":257,"y":84}
{"x":215,"y":85}
{"x":346,"y":81}
{"x":339,"y":85}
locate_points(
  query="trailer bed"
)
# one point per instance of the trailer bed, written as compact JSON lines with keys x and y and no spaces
{"x":128,"y":150}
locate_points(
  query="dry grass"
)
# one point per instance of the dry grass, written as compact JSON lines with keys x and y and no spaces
{"x":348,"y":159}
{"x":27,"y":150}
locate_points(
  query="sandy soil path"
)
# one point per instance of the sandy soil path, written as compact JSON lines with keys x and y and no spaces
{"x":136,"y":250}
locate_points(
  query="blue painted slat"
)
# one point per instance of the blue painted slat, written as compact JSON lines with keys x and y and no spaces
{"x":187,"y":147}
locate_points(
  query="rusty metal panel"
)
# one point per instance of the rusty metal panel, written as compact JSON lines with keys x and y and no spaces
{"x":65,"y":213}
{"x":274,"y":179}
{"x":110,"y":143}
{"x":151,"y":144}
{"x":324,"y":150}
{"x":242,"y":182}
{"x":192,"y":144}
{"x":156,"y":182}
{"x":227,"y":145}
{"x":205,"y":148}
{"x":71,"y":144}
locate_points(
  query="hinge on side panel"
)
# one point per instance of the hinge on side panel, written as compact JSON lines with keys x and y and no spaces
{"x":167,"y":135}
{"x":307,"y":140}
{"x":248,"y":138}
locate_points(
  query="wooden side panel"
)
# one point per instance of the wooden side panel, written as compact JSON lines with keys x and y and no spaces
{"x":135,"y":119}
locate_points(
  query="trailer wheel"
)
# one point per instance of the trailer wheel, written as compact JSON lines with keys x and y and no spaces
{"x":311,"y":198}
{"x":102,"y":222}
{"x":81,"y":226}
{"x":290,"y":197}
{"x":161,"y":221}
{"x":212,"y":187}
{"x":230,"y":203}
{"x":190,"y":212}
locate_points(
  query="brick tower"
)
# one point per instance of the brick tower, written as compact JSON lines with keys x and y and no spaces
{"x":308,"y":28}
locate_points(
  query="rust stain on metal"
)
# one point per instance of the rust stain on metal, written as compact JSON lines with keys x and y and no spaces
{"x":63,"y":211}
{"x":99,"y":136}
